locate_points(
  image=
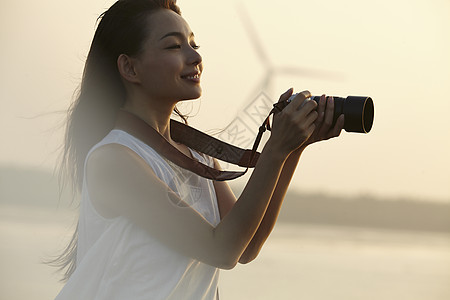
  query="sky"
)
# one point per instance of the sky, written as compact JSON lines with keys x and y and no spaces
{"x":395,"y":51}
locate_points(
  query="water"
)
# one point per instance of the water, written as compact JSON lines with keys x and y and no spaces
{"x":297,"y":262}
{"x":313,"y":262}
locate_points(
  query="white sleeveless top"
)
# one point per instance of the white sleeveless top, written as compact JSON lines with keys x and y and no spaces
{"x":116,"y":259}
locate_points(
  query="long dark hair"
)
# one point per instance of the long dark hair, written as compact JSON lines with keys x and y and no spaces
{"x":122,"y":29}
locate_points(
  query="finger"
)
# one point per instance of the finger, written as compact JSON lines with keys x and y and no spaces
{"x":336,"y":131}
{"x":297,"y":102}
{"x":282,"y":101}
{"x":329,"y":112}
{"x":305,"y":111}
{"x":311,"y":118}
{"x":321,"y":109}
{"x":285,"y":96}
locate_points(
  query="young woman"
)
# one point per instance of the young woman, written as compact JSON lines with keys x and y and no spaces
{"x":149,"y":229}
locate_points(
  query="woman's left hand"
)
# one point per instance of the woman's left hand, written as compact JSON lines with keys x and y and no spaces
{"x":324,"y":121}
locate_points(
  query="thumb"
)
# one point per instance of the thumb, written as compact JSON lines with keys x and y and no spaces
{"x":285,"y":96}
{"x":282,"y":103}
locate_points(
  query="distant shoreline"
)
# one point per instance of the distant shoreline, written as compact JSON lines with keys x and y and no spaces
{"x":39,"y":188}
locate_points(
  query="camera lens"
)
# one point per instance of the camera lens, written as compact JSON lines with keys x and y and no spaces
{"x":358,"y":112}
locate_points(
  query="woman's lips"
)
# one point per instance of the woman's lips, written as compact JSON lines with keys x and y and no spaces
{"x":193,"y":77}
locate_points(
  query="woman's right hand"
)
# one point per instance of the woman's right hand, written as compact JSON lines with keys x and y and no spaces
{"x":294,"y":124}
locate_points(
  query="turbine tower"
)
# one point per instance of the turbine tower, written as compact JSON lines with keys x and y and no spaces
{"x":242,"y":130}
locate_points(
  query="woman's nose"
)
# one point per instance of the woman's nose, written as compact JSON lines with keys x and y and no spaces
{"x":194,"y":57}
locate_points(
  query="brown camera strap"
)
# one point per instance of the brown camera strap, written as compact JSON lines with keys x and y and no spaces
{"x":193,"y":139}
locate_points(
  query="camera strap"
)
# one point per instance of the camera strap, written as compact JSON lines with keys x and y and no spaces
{"x":196,"y":140}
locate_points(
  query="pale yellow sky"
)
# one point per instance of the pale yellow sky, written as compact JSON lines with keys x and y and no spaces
{"x":395,"y":51}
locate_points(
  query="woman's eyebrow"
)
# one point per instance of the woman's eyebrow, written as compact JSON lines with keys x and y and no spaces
{"x":176,"y":34}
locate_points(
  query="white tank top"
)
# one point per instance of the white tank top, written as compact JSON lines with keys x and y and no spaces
{"x":116,"y":259}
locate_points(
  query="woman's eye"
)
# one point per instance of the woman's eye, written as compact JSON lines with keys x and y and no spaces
{"x":177,"y":46}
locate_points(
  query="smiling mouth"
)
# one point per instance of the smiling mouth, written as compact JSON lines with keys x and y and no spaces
{"x":192,"y":77}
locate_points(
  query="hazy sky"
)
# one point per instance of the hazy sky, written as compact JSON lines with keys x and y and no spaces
{"x":395,"y":51}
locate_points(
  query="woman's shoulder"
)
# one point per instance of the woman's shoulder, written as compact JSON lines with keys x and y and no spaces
{"x":117,"y":148}
{"x":114,"y":173}
{"x":125,"y":152}
{"x":117,"y":136}
{"x":106,"y":154}
{"x":120,"y":142}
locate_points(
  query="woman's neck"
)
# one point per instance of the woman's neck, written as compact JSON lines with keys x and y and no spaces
{"x":157,"y":116}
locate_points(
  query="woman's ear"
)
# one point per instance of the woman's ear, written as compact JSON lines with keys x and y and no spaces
{"x":126,"y":67}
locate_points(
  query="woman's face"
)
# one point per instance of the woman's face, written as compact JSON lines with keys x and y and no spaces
{"x":169,"y":66}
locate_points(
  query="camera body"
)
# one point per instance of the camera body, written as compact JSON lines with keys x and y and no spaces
{"x":358,"y":111}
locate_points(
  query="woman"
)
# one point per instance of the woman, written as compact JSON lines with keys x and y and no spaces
{"x":147,"y":228}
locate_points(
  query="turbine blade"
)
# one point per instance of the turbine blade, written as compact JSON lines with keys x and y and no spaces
{"x":309,"y":72}
{"x":253,"y":35}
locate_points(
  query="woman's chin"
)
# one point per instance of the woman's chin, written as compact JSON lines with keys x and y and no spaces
{"x":192,"y":96}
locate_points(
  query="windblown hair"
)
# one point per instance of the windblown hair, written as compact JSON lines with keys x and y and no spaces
{"x":122,"y":29}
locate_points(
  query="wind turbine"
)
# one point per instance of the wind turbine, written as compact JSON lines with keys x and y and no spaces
{"x":271,"y":70}
{"x":242,"y":130}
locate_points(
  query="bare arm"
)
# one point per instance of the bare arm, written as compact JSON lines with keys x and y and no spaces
{"x":273,"y":210}
{"x":121,"y":183}
{"x":323,"y":131}
{"x":225,"y":198}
